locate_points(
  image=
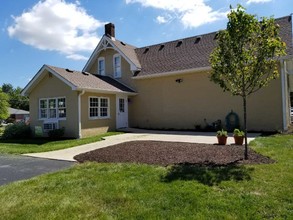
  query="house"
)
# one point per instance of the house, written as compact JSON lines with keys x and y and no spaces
{"x":18,"y":115}
{"x":162,"y":86}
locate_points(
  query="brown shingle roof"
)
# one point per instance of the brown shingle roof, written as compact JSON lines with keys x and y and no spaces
{"x":89,"y":81}
{"x":192,"y":52}
{"x":128,"y":51}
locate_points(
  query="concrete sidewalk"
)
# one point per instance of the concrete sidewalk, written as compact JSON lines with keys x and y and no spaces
{"x":138,"y":135}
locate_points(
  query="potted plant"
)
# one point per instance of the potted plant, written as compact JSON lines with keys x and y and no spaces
{"x":222,"y":137}
{"x":238,"y":136}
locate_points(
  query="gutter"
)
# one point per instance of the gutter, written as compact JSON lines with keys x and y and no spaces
{"x":172,"y":73}
{"x":79,"y":113}
{"x":283,"y":86}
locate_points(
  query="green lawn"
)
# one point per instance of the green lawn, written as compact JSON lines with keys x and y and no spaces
{"x":43,"y":145}
{"x":136,"y":191}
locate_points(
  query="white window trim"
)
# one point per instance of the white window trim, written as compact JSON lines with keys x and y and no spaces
{"x":57,"y":115}
{"x":114,"y":67}
{"x":99,"y":107}
{"x":101,"y":59}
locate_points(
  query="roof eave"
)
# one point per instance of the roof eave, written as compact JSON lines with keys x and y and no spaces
{"x":172,"y":73}
{"x":105,"y":91}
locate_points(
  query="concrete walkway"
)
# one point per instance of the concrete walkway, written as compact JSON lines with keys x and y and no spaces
{"x":136,"y":135}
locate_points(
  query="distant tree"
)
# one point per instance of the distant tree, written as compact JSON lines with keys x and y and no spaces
{"x":16,"y":100}
{"x":245,"y":58}
{"x":4,"y":114}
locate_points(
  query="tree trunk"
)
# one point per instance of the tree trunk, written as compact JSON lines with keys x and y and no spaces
{"x":245,"y":128}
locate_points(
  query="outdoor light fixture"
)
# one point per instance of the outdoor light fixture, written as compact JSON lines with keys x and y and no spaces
{"x":179,"y":80}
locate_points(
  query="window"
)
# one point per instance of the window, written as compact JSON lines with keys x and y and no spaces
{"x":43,"y":108}
{"x":101,"y":66}
{"x":52,"y":108}
{"x":61,"y":108}
{"x":98,"y":107}
{"x":117,"y":66}
{"x":121,"y":105}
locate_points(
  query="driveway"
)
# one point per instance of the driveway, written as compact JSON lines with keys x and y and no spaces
{"x":15,"y":167}
{"x":136,"y":135}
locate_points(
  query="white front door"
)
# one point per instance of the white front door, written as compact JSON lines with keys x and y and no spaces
{"x":121,"y":111}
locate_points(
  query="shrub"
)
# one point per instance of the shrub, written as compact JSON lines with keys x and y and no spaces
{"x":17,"y":131}
{"x":56,"y":133}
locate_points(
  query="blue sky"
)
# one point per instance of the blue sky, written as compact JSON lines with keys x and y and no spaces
{"x":63,"y":33}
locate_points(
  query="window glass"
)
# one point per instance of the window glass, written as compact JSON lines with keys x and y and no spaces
{"x":94,"y":107}
{"x":117,"y":66}
{"x":121,"y":105}
{"x":101,"y":66}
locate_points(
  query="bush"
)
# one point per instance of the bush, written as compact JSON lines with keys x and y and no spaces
{"x":56,"y":133}
{"x":17,"y":131}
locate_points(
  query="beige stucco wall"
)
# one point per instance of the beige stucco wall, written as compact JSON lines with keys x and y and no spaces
{"x":51,"y":87}
{"x":162,"y":103}
{"x":91,"y":127}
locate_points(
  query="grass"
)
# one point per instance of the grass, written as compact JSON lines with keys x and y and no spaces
{"x":137,"y":191}
{"x":42,"y":145}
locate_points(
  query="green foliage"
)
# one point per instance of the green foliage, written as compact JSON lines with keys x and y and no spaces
{"x":138,"y":191}
{"x":56,"y":133}
{"x":17,"y":131}
{"x":3,"y":106}
{"x":222,"y":133}
{"x":238,"y":133}
{"x":16,"y":100}
{"x":245,"y":59}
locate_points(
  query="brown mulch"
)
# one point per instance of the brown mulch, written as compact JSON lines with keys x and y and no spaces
{"x":168,"y":153}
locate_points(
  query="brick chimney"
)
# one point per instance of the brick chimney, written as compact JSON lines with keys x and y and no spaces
{"x":110,"y":30}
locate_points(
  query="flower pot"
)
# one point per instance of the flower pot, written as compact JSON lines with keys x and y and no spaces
{"x":222,"y":140}
{"x":238,"y":140}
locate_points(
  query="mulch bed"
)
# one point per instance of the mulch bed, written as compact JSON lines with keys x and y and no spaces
{"x":169,"y":153}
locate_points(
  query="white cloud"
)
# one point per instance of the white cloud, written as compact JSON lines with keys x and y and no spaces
{"x":76,"y":57}
{"x":258,"y":1}
{"x":57,"y":26}
{"x":192,"y":13}
{"x":161,"y":20}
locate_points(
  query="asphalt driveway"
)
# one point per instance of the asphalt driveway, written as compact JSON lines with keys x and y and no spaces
{"x":15,"y":167}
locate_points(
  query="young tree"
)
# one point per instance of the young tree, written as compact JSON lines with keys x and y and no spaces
{"x":245,"y":58}
{"x":4,"y":114}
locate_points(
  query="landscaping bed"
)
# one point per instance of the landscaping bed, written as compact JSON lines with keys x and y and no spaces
{"x":169,"y":153}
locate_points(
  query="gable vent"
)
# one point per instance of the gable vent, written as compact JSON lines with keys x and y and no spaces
{"x":146,"y":50}
{"x":197,"y":39}
{"x":161,"y":47}
{"x":179,"y":43}
{"x":70,"y":71}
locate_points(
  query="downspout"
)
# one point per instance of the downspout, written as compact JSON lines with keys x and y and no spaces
{"x":284,"y":106}
{"x":79,"y":113}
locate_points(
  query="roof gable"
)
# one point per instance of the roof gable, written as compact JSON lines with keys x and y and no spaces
{"x":125,"y":50}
